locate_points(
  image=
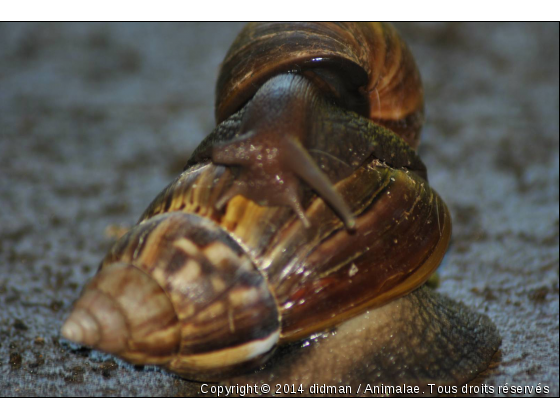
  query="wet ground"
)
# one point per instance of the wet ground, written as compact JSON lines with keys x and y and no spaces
{"x":95,"y":119}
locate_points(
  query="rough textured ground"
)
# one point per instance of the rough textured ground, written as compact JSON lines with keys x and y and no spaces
{"x":95,"y":119}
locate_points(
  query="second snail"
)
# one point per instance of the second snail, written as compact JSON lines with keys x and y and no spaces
{"x":295,"y":246}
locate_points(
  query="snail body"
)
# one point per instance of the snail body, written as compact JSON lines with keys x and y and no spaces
{"x":306,"y":210}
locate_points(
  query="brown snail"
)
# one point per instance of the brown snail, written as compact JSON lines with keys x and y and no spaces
{"x":305,"y":215}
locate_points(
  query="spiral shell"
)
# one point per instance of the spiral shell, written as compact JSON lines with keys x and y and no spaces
{"x":381,"y":80}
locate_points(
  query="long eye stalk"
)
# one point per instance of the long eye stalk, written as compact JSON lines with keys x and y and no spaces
{"x":271,"y":151}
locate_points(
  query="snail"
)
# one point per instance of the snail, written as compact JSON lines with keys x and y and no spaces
{"x":295,"y":245}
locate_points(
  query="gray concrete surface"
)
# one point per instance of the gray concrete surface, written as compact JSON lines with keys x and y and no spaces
{"x":95,"y":119}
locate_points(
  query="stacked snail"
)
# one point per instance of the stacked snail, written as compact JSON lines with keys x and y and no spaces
{"x":306,"y":210}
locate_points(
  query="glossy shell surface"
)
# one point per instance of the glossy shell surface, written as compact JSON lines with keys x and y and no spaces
{"x":382,"y":80}
{"x":324,"y":274}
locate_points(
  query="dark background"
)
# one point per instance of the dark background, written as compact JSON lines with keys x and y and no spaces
{"x":95,"y":119}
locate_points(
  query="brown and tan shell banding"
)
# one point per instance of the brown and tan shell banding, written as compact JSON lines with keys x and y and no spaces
{"x":372,"y":58}
{"x":403,"y":230}
{"x":178,"y":292}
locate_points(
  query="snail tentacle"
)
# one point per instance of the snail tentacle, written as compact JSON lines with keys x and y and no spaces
{"x":270,"y":153}
{"x":301,"y":163}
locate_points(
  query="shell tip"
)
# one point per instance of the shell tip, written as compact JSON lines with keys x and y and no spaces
{"x":81,"y":327}
{"x":71,"y":331}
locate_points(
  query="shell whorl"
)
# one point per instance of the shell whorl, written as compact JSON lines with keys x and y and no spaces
{"x":123,"y":311}
{"x":177,"y":291}
{"x":403,"y":230}
{"x":375,"y":65}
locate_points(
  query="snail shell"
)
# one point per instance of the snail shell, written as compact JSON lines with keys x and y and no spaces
{"x":296,"y":214}
{"x":366,"y":66}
